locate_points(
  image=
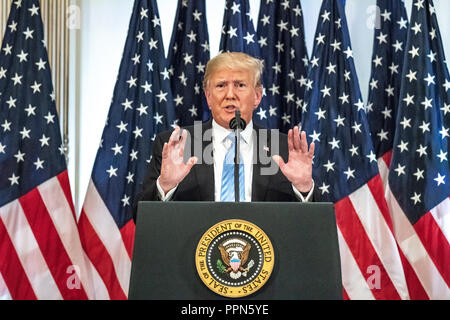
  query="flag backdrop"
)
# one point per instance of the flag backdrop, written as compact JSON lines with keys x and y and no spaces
{"x":345,"y":169}
{"x":418,"y":190}
{"x":188,"y":55}
{"x":142,"y":106}
{"x":281,"y":37}
{"x":40,"y":250}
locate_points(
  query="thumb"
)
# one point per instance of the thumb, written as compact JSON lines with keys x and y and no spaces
{"x":279,"y":161}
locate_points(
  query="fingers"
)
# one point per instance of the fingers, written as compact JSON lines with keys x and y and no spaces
{"x":297,"y":141}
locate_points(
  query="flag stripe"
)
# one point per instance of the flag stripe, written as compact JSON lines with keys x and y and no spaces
{"x":30,"y":255}
{"x":54,"y":194}
{"x":64,"y":183}
{"x":49,"y":242}
{"x":11,"y":271}
{"x":100,"y":258}
{"x":441,"y":215}
{"x":371,"y":207}
{"x":435,"y":243}
{"x":127,"y":233}
{"x":415,"y":288}
{"x":355,"y":286}
{"x":413,"y":248}
{"x":109,"y":234}
{"x":362,"y":248}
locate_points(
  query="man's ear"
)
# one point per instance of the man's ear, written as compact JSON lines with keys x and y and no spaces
{"x":258,"y":96}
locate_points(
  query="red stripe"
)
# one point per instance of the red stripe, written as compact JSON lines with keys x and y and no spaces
{"x":377,"y":190}
{"x":415,"y":288}
{"x":387,"y":158}
{"x":435,"y":243}
{"x":51,"y":246}
{"x":345,"y":295}
{"x":63,"y":179}
{"x":11,"y":269}
{"x":127,"y":233}
{"x":100,"y":258}
{"x":362,"y":249}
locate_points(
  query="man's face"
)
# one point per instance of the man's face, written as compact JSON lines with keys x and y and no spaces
{"x":230,"y":90}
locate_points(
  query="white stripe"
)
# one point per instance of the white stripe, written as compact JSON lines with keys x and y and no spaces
{"x":4,"y":292}
{"x":441,"y":214}
{"x":353,"y":281}
{"x":380,"y":236}
{"x":100,"y":290}
{"x":108,"y":232}
{"x":27,"y":249}
{"x":63,"y":220}
{"x":384,"y":171}
{"x":413,"y":249}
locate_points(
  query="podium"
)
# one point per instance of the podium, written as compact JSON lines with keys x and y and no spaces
{"x":303,"y":235}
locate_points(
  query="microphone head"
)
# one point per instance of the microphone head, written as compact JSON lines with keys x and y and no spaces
{"x":237,"y":122}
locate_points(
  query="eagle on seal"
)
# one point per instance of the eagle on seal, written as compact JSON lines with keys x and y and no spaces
{"x":234,"y":254}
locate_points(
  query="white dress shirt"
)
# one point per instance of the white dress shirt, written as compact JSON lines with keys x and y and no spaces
{"x":220,"y":148}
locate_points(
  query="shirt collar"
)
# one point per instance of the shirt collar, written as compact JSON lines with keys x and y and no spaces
{"x":220,"y":133}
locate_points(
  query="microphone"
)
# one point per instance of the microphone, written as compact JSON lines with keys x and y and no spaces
{"x":237,"y":124}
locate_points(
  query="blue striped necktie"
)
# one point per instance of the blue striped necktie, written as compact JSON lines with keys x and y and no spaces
{"x":227,"y":189}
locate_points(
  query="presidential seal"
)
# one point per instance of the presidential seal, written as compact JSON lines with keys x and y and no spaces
{"x":234,"y":258}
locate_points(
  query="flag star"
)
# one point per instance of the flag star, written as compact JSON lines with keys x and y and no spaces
{"x":334,"y":144}
{"x":137,"y":132}
{"x":132,"y":82}
{"x":7,"y":49}
{"x":133,"y":155}
{"x":265,"y":20}
{"x":34,"y":10}
{"x":122,"y":127}
{"x":444,"y":132}
{"x":282,"y":25}
{"x":387,"y":113}
{"x":326,"y":91}
{"x":382,"y":38}
{"x":427,"y":103}
{"x":28,"y":34}
{"x":422,"y":150}
{"x":320,"y":39}
{"x":446,"y":109}
{"x":446,"y":85}
{"x":200,"y":67}
{"x":162,"y":96}
{"x":383,"y":135}
{"x":430,"y":79}
{"x":336,"y":45}
{"x":414,"y":52}
{"x":400,"y":170}
{"x":14,"y":179}
{"x":44,"y":140}
{"x":232,"y":32}
{"x":17,"y":79}
{"x":125,"y":200}
{"x":354,"y":150}
{"x":331,"y":68}
{"x":417,"y":28}
{"x":398,"y":46}
{"x":432,"y":56}
{"x":439,"y":179}
{"x":347,"y":75}
{"x":2,"y":73}
{"x":235,"y":8}
{"x":320,"y":114}
{"x":11,"y":102}
{"x":197,"y":15}
{"x":272,"y":111}
{"x":403,"y":146}
{"x":378,"y":61}
{"x":262,"y":42}
{"x":192,"y":36}
{"x":409,"y":99}
{"x":433,"y":33}
{"x":315,"y":62}
{"x":25,"y":133}
{"x":357,"y":127}
{"x":277,"y":68}
{"x":249,"y":38}
{"x":156,"y":21}
{"x":140,"y":36}
{"x":147,"y":87}
{"x":403,"y":23}
{"x":394,"y":68}
{"x":339,"y":121}
{"x":360,"y":105}
{"x":127,"y":104}
{"x":20,"y":156}
{"x":36,"y":87}
{"x":416,"y":198}
{"x":117,"y":149}
{"x":130,"y":177}
{"x":153,"y":44}
{"x":262,"y":114}
{"x":390,"y":90}
{"x":158,"y":118}
{"x":39,"y":164}
{"x":187,"y":59}
{"x":442,"y":156}
{"x":13,"y":26}
{"x":205,"y":46}
{"x":411,"y":75}
{"x":50,"y":118}
{"x":349,"y":53}
{"x":325,"y":16}
{"x":294,"y":32}
{"x":178,"y":100}
{"x":136,"y":59}
{"x":315,"y":136}
{"x":329,"y":166}
{"x":349,"y":173}
{"x":372,"y":157}
{"x":324,"y":188}
{"x":193,"y":111}
{"x":22,"y":56}
{"x":41,"y":64}
{"x":425,"y":126}
{"x":419,"y":174}
{"x":150,"y":65}
{"x":2,"y":148}
{"x":419,"y":4}
{"x":6,"y":126}
{"x":112,"y":171}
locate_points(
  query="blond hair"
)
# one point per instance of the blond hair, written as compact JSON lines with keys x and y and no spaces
{"x":234,"y":61}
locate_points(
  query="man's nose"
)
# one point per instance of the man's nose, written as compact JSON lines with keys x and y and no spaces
{"x":230,"y":92}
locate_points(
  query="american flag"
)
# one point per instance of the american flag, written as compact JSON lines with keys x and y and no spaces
{"x":345,"y":168}
{"x":142,"y":106}
{"x":281,"y":37}
{"x":189,"y":52}
{"x":40,"y":250}
{"x":418,"y":189}
{"x":390,"y":37}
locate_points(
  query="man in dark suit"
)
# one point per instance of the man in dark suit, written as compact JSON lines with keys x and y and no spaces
{"x":190,"y":164}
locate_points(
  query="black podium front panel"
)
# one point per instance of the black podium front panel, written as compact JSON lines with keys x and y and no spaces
{"x":304,"y":237}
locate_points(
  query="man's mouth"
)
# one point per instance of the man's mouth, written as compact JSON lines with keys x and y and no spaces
{"x":231,"y":108}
